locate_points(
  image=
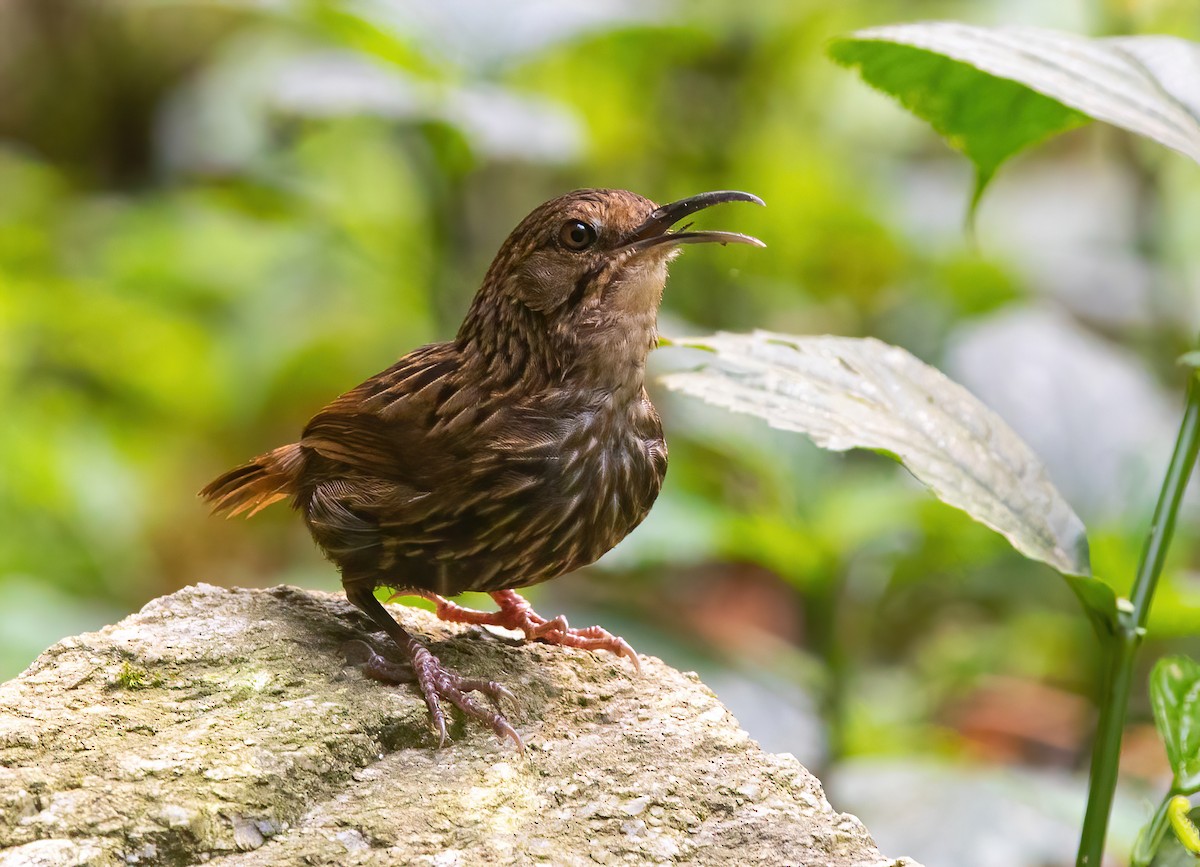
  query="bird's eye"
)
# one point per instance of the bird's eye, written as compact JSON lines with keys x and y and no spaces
{"x":576,"y":235}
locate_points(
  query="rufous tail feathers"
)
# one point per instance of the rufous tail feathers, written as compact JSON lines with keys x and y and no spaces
{"x":257,"y":484}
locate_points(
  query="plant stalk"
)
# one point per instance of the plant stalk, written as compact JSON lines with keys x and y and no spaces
{"x":1131,"y":625}
{"x":1151,"y":836}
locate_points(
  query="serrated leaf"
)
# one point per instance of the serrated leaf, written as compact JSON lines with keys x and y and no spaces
{"x":994,"y":91}
{"x":986,"y":118}
{"x":848,"y":393}
{"x":1175,"y":697}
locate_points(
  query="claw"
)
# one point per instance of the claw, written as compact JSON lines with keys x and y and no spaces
{"x":494,"y":691}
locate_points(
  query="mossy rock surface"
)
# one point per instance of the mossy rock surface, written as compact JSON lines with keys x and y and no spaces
{"x":223,"y":726}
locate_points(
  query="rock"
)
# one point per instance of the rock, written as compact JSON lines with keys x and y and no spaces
{"x":224,"y":726}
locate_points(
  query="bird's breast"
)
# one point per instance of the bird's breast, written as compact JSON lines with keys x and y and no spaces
{"x":575,"y":491}
{"x":610,"y":469}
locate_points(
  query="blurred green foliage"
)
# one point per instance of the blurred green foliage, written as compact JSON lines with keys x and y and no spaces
{"x":214,"y":217}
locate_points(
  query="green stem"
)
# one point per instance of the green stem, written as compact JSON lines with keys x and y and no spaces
{"x":1178,"y":473}
{"x":1131,"y":624}
{"x":1151,"y":836}
{"x":1106,"y":751}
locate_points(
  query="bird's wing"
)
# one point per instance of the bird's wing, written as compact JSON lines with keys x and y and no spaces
{"x":385,"y":428}
{"x":397,"y":468}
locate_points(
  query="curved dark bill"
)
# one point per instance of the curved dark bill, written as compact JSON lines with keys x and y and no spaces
{"x":663,"y":218}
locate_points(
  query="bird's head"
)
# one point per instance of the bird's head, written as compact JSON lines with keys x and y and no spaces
{"x":578,"y":283}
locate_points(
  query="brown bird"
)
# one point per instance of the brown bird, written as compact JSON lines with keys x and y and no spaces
{"x":521,"y":450}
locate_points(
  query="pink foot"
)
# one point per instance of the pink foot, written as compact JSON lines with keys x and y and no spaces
{"x":516,"y":613}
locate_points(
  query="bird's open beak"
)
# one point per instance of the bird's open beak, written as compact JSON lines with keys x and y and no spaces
{"x":656,"y":229}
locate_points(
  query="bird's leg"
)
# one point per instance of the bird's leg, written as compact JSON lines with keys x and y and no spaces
{"x":436,"y":682}
{"x":516,"y":613}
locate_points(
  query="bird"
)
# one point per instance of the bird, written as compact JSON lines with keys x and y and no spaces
{"x":521,"y":450}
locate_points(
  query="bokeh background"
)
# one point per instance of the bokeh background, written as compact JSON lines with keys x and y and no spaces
{"x":214,"y":217}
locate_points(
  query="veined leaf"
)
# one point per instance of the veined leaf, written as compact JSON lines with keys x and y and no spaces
{"x":850,"y":393}
{"x":1175,"y":697}
{"x":994,"y":91}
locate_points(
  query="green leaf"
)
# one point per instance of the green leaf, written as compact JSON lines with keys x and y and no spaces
{"x":1175,"y":697}
{"x":850,"y":393}
{"x":355,"y":29}
{"x":993,"y":91}
{"x":987,"y":119}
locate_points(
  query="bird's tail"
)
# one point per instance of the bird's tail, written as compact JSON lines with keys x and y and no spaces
{"x":257,"y":484}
